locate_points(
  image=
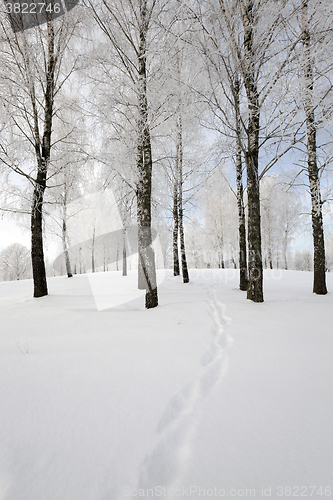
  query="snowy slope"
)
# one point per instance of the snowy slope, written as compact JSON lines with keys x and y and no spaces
{"x":206,"y":391}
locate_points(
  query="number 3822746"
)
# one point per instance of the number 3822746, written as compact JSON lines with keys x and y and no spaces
{"x":32,"y":8}
{"x":303,"y":491}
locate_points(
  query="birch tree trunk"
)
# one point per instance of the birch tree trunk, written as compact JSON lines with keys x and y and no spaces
{"x":65,"y":248}
{"x":124,"y":252}
{"x":185,"y":274}
{"x":285,"y":249}
{"x":146,"y":260}
{"x":43,"y":153}
{"x":37,"y":250}
{"x":255,"y":286}
{"x":243,"y":275}
{"x":179,"y":177}
{"x":175,"y":213}
{"x":64,"y":235}
{"x":319,"y":276}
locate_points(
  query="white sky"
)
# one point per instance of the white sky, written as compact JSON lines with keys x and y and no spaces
{"x":12,"y":233}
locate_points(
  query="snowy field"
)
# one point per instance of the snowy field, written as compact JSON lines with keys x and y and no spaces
{"x":208,"y":395}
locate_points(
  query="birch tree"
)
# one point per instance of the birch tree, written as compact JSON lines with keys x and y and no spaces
{"x":34,"y":76}
{"x":131,"y":30}
{"x":308,"y":23}
{"x":250,"y":59}
{"x":15,"y":263}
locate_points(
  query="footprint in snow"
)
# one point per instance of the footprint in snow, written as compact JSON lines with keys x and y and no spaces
{"x":165,"y":464}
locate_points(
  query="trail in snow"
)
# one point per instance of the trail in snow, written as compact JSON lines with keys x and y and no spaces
{"x":165,"y":465}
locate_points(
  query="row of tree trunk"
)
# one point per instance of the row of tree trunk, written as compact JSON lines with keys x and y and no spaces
{"x":251,"y":276}
{"x":178,"y":211}
{"x":251,"y":272}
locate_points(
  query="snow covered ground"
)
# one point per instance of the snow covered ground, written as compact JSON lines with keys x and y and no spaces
{"x":208,"y":395}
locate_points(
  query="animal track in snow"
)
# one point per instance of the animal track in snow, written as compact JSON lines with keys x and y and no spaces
{"x":180,"y":404}
{"x":165,"y":465}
